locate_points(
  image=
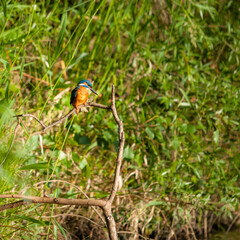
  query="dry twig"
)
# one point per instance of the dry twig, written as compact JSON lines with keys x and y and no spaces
{"x":79,"y":189}
{"x":45,"y":127}
{"x":12,"y":205}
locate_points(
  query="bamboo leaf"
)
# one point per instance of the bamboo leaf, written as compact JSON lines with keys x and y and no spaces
{"x":36,"y":166}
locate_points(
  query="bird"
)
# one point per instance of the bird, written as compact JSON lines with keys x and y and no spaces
{"x":79,"y":94}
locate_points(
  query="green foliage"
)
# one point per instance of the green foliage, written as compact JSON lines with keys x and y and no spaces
{"x":175,"y":65}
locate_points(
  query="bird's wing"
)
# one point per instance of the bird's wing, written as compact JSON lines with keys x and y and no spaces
{"x":73,"y":95}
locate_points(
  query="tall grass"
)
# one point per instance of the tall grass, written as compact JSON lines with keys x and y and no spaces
{"x":175,"y":65}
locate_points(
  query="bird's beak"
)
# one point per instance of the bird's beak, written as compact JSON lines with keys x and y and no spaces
{"x":93,"y":91}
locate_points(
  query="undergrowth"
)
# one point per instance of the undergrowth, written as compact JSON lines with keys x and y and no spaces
{"x":175,"y":65}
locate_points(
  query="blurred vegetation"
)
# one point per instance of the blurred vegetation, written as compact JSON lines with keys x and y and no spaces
{"x":175,"y":65}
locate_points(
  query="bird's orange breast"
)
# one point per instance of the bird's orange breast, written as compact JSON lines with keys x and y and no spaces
{"x":82,"y":96}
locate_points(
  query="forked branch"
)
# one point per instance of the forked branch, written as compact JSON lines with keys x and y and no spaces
{"x":105,"y":204}
{"x":45,"y":127}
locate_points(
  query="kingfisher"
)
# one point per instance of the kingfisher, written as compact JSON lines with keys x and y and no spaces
{"x":79,"y":94}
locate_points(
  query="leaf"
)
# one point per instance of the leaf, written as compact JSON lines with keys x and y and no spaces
{"x":116,"y":143}
{"x":32,"y":143}
{"x":35,"y":166}
{"x":216,"y":137}
{"x":155,"y":203}
{"x":33,"y":220}
{"x":61,"y":155}
{"x":150,"y":133}
{"x":184,"y":104}
{"x":150,"y":97}
{"x":76,"y":128}
{"x":194,"y":170}
{"x":106,"y":135}
{"x":186,"y":98}
{"x":6,"y":113}
{"x":75,"y":157}
{"x":191,"y":128}
{"x":101,"y":142}
{"x":75,"y":61}
{"x":83,"y":163}
{"x":82,"y":139}
{"x":4,"y":62}
{"x":61,"y":229}
{"x":128,"y":153}
{"x":4,"y":8}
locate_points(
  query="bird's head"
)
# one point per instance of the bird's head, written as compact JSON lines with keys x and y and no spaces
{"x":87,"y":84}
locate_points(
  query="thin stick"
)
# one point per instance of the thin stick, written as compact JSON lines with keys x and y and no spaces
{"x":107,"y":209}
{"x":30,"y":115}
{"x":234,"y":220}
{"x":121,"y":137}
{"x":12,"y":205}
{"x":60,"y":201}
{"x":205,"y":224}
{"x":46,"y":127}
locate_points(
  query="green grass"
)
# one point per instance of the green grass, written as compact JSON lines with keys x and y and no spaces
{"x":175,"y":66}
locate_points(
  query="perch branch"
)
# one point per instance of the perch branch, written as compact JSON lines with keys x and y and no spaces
{"x":46,"y":127}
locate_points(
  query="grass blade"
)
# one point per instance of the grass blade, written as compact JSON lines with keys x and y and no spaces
{"x":4,"y":5}
{"x":61,"y":34}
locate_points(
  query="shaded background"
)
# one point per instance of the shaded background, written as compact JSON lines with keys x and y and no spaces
{"x":175,"y":65}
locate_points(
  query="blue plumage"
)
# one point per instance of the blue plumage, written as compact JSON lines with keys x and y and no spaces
{"x":74,"y":94}
{"x":85,"y":81}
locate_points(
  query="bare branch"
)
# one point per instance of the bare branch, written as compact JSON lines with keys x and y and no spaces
{"x":45,"y":127}
{"x":93,"y":104}
{"x":120,"y":148}
{"x":79,"y":189}
{"x":107,"y":209}
{"x":30,"y":115}
{"x":60,"y":120}
{"x":60,"y":201}
{"x":12,"y":205}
